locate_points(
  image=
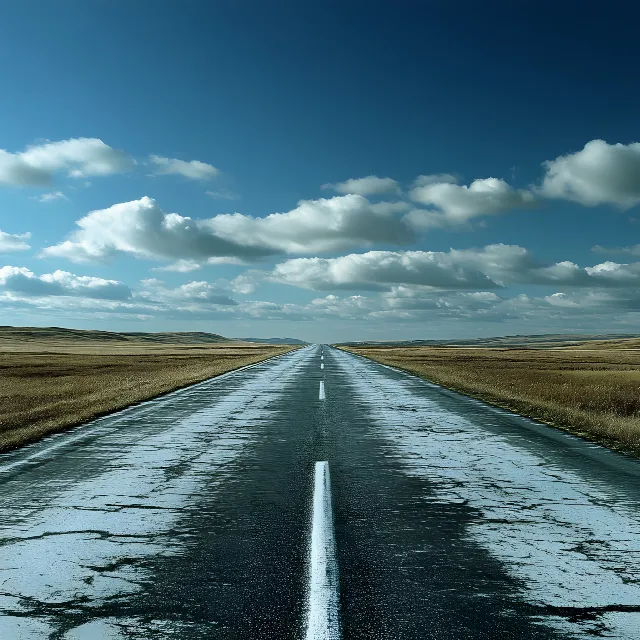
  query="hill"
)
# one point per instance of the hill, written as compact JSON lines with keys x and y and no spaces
{"x":58,"y":334}
{"x":273,"y":340}
{"x":541,"y":341}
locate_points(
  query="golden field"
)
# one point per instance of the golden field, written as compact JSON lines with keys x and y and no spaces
{"x":591,"y":389}
{"x":50,"y":384}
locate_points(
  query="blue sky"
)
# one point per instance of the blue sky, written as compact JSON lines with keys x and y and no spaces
{"x":439,"y":169}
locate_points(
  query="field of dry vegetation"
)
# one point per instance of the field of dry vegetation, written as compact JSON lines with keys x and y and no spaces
{"x":49,"y":385}
{"x":591,"y":389}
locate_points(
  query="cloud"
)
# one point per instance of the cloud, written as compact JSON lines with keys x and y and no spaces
{"x":222,"y":194}
{"x":491,"y":267}
{"x":411,"y":297}
{"x":371,"y":185}
{"x":79,"y":157}
{"x":14,"y":242}
{"x":599,"y":174}
{"x":378,"y":270}
{"x":596,"y":301}
{"x":434,"y":178}
{"x":457,"y":204}
{"x":415,"y":304}
{"x":60,"y":283}
{"x":142,"y":229}
{"x":246,"y":283}
{"x":197,"y":291}
{"x":324,"y":225}
{"x":633,"y":250}
{"x":49,"y":197}
{"x":63,"y":294}
{"x":180,"y":266}
{"x":194,"y":170}
{"x":512,"y":264}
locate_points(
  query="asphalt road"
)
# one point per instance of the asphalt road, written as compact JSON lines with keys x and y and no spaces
{"x":204,"y":515}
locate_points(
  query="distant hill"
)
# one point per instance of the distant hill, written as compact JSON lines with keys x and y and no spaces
{"x":26,"y":334}
{"x":514,"y":342}
{"x":273,"y":340}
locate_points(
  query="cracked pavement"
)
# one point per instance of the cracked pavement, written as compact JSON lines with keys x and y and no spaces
{"x":188,"y":516}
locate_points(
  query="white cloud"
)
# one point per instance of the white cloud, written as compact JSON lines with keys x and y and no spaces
{"x":79,"y":157}
{"x":180,"y":266}
{"x":331,"y":224}
{"x":62,"y":294}
{"x":192,"y":292}
{"x":490,"y":267}
{"x":511,"y":264}
{"x":142,"y":229}
{"x":599,"y":174}
{"x":371,"y":185}
{"x":49,"y":197}
{"x":246,"y":283}
{"x":457,"y":204}
{"x":14,"y":242}
{"x":378,"y":270}
{"x":194,"y":170}
{"x":60,"y":283}
{"x":434,"y":178}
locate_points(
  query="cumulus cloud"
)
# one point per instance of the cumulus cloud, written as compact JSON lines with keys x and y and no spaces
{"x":13,"y":242}
{"x":491,"y":267}
{"x":457,"y":204}
{"x":142,"y":229}
{"x":434,"y":178}
{"x":197,"y":291}
{"x":512,"y":264}
{"x":246,"y":283}
{"x":585,"y":310}
{"x":599,"y":174}
{"x":369,"y":186}
{"x":194,"y":170}
{"x":378,"y":270}
{"x":63,"y":293}
{"x":78,"y":157}
{"x":418,"y":297}
{"x":324,"y":225}
{"x":49,"y":197}
{"x":60,"y":283}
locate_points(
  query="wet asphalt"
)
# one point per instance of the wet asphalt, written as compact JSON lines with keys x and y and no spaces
{"x":189,"y":516}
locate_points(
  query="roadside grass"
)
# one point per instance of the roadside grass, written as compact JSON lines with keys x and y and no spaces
{"x":594,"y":393}
{"x":48,"y":386}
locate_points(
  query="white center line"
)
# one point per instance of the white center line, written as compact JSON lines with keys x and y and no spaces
{"x":323,"y":621}
{"x":321,"y":395}
{"x":322,"y":365}
{"x":321,"y":357}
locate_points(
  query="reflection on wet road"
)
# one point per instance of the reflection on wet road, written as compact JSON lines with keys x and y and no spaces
{"x":193,"y":516}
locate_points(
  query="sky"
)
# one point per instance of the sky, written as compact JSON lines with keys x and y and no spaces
{"x":331,"y":171}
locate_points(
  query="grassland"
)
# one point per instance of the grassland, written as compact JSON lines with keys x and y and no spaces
{"x":51,"y":383}
{"x":591,"y":389}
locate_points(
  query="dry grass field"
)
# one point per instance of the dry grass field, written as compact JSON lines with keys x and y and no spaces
{"x":591,"y":389}
{"x":49,"y":384}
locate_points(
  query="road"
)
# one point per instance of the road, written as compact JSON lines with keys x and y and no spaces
{"x":205,"y":514}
